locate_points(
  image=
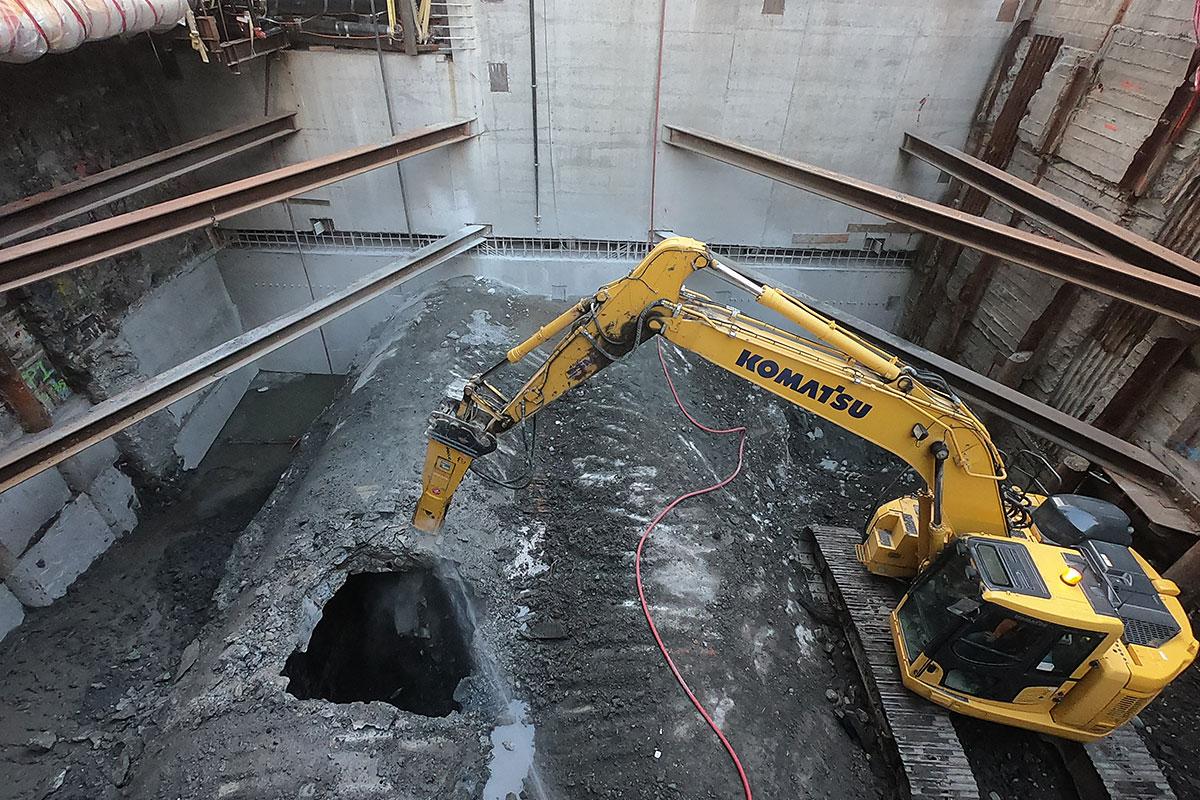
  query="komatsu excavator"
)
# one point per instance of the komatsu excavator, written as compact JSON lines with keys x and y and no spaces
{"x":1022,"y":609}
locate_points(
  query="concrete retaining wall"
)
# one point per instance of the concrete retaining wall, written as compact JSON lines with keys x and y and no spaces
{"x":264,"y":285}
{"x":831,"y":82}
{"x":54,"y":525}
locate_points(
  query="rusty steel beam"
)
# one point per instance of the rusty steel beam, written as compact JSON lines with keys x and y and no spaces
{"x":1096,"y":271}
{"x":41,"y":210}
{"x":50,"y":255}
{"x":1036,"y":417}
{"x":1161,"y":495}
{"x":43,"y":450}
{"x":1039,"y":418}
{"x":1159,"y":492}
{"x":1081,"y":225}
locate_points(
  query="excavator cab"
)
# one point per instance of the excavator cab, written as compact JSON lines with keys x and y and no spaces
{"x":1065,"y":631}
{"x":974,"y":645}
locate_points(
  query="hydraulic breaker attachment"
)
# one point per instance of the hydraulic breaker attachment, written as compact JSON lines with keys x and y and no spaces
{"x":453,"y":445}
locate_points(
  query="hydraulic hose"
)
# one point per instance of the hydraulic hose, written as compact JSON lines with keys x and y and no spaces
{"x":637,"y":567}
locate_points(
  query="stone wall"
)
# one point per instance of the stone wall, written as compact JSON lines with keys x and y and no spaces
{"x":86,"y":335}
{"x":1112,"y":128}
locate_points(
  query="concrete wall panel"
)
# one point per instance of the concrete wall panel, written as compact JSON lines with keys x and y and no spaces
{"x":80,"y":470}
{"x":832,"y":83}
{"x":74,"y":541}
{"x":26,"y":507}
{"x":115,"y":500}
{"x":206,"y":417}
{"x":869,"y":290}
{"x":12,"y":613}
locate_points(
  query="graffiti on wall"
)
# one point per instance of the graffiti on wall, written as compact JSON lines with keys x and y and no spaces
{"x":45,"y":383}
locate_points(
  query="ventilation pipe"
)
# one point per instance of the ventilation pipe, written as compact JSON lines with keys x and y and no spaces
{"x":31,"y":28}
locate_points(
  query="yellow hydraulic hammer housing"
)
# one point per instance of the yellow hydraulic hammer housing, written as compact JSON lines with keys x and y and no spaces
{"x":444,"y":469}
{"x":1112,"y":630}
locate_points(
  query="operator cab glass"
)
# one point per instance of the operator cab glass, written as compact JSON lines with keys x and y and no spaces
{"x":985,"y":650}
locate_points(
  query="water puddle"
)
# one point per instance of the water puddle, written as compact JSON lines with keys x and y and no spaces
{"x":511,"y":764}
{"x":512,"y":754}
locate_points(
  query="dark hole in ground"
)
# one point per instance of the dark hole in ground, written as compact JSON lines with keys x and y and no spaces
{"x":390,"y":636}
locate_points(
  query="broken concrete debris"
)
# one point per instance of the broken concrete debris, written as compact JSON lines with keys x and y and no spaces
{"x":43,"y":742}
{"x":50,"y":566}
{"x":188,"y":659}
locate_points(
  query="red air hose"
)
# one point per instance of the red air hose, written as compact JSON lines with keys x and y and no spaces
{"x":637,"y":566}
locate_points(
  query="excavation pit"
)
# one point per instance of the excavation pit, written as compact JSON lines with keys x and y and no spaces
{"x":387,"y":636}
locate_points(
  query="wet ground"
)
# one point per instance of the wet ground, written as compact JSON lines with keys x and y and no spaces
{"x":1171,"y":727}
{"x":84,"y":679}
{"x":567,"y":695}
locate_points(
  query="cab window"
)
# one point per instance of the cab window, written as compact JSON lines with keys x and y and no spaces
{"x":932,"y":606}
{"x":1004,"y":652}
{"x":1067,"y":652}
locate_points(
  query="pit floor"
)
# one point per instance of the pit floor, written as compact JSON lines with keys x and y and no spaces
{"x":568,"y":696}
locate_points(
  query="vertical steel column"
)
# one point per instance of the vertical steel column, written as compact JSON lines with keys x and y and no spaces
{"x":533,"y":107}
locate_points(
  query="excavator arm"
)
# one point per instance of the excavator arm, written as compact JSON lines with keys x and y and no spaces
{"x":835,"y":375}
{"x":1060,"y":571}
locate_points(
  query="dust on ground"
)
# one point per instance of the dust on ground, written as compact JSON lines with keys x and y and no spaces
{"x":84,"y":680}
{"x":568,"y":696}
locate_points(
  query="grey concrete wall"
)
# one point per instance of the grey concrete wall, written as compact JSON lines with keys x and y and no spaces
{"x":54,"y":525}
{"x":831,"y":82}
{"x":263,"y":285}
{"x":177,"y":321}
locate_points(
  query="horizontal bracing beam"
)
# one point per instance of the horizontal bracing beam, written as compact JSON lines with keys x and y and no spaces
{"x":43,"y":450}
{"x":1102,"y":273}
{"x":1080,"y":224}
{"x":1044,"y":420}
{"x":1098,"y":446}
{"x":41,"y":210}
{"x":51,"y":255}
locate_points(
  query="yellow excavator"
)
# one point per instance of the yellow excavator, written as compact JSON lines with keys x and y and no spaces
{"x":1023,"y":609}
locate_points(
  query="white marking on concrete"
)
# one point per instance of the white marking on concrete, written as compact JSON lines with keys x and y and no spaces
{"x":720,"y":709}
{"x":368,"y":370}
{"x":481,"y":330}
{"x":806,"y":640}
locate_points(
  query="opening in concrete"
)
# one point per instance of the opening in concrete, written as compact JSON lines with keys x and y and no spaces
{"x":389,"y":636}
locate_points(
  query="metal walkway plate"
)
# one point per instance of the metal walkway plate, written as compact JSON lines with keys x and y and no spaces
{"x":929,"y":751}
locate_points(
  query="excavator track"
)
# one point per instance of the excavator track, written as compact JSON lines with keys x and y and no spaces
{"x":929,"y":751}
{"x":1126,"y":767}
{"x":1115,"y":767}
{"x":925,"y":742}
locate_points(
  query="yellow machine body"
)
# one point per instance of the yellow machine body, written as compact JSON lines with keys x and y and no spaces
{"x":958,"y":518}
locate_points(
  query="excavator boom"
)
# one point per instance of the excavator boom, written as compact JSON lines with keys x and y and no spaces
{"x":834,"y":374}
{"x":1016,"y":612}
